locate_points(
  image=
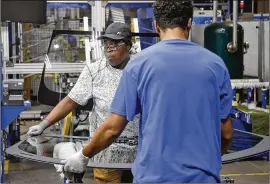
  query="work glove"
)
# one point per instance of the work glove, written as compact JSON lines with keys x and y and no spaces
{"x":38,"y":129}
{"x":77,"y":163}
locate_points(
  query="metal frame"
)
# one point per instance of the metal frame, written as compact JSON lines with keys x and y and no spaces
{"x":36,"y":68}
{"x":261,"y":61}
{"x":56,"y":67}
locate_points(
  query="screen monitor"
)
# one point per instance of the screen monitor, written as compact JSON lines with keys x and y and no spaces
{"x":24,"y":11}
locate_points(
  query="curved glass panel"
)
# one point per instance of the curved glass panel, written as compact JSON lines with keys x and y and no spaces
{"x":244,"y":140}
{"x":44,"y":148}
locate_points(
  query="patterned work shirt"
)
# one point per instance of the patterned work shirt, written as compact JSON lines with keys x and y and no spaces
{"x":99,"y":81}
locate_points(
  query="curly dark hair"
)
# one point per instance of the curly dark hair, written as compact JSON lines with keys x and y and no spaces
{"x":173,"y":13}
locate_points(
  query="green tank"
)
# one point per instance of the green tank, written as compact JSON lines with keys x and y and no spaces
{"x":216,"y":38}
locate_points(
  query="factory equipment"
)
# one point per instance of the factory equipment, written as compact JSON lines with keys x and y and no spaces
{"x":216,"y":38}
{"x":226,"y":39}
{"x":13,"y":92}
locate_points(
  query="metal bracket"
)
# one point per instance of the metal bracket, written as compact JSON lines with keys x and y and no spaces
{"x":246,"y":47}
{"x":104,"y":4}
{"x":91,"y":2}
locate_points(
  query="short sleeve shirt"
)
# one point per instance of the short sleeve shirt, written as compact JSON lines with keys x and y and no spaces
{"x":182,"y":92}
{"x":99,"y":81}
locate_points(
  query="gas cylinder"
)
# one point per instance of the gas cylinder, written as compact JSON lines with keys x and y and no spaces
{"x":217,"y":36}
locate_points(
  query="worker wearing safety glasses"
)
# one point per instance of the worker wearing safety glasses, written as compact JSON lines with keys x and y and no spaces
{"x":99,"y":80}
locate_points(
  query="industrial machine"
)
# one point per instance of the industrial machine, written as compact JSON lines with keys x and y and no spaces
{"x":218,"y":37}
{"x":226,"y":39}
{"x":13,"y":92}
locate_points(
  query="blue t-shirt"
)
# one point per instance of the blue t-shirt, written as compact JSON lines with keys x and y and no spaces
{"x":182,"y":92}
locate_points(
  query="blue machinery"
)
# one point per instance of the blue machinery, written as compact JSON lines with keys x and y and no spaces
{"x":8,"y":115}
{"x":145,"y":18}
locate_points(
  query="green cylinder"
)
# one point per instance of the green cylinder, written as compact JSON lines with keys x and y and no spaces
{"x":216,"y":38}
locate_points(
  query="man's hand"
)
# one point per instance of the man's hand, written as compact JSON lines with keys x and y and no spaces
{"x":226,"y":135}
{"x":104,"y":136}
{"x":61,"y":110}
{"x":38,"y":129}
{"x":77,"y":163}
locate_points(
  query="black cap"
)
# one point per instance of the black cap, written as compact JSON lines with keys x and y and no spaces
{"x":116,"y":31}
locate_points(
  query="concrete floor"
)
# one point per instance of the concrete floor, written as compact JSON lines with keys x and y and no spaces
{"x":256,"y":171}
{"x":24,"y":171}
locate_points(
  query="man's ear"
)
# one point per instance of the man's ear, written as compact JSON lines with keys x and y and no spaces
{"x":157,"y":27}
{"x":189,"y":25}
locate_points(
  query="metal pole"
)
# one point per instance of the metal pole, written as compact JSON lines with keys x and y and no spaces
{"x":252,"y":6}
{"x":232,"y":46}
{"x":263,"y":49}
{"x":229,"y":10}
{"x":1,"y":131}
{"x":215,"y":3}
{"x":87,"y":41}
{"x":235,"y":13}
{"x":260,"y":62}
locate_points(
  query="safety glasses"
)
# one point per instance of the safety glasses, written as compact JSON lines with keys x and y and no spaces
{"x":115,"y":47}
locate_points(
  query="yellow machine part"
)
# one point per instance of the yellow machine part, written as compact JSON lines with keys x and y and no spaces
{"x":237,"y":97}
{"x":6,"y":166}
{"x":27,"y":56}
{"x":67,"y":123}
{"x":234,"y":103}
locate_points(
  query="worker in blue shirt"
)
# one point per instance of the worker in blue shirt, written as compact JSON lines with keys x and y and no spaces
{"x":184,"y":96}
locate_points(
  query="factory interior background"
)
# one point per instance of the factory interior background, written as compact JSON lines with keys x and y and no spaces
{"x":59,"y":37}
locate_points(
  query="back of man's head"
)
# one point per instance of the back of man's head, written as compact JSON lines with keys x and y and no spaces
{"x":173,"y":13}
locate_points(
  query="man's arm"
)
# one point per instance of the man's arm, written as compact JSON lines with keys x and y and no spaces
{"x":61,"y":110}
{"x":79,"y":94}
{"x":105,"y":135}
{"x":226,"y":134}
{"x":226,"y":97}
